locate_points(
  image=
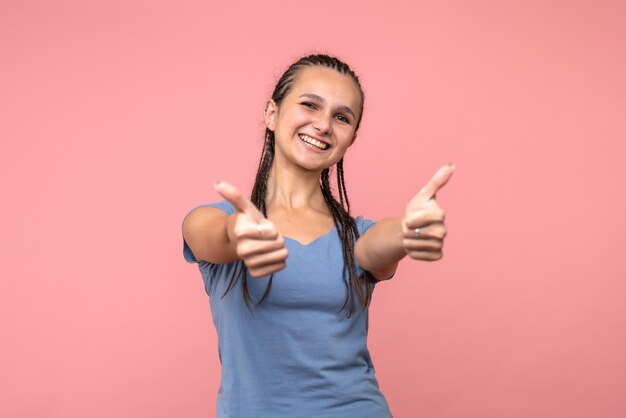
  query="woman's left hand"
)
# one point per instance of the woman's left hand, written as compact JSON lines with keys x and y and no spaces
{"x":423,"y":229}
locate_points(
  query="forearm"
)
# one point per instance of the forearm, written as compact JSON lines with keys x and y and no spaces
{"x":380,"y":249}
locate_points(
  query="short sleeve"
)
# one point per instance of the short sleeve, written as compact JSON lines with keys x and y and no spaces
{"x":363,"y":224}
{"x":223,"y":205}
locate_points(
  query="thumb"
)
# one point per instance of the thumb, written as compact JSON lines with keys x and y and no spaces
{"x":242,"y":204}
{"x":439,"y":179}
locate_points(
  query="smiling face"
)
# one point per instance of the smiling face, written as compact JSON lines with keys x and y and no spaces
{"x":316,"y":122}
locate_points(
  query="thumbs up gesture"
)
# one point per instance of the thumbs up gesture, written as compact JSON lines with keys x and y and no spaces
{"x":423,"y":228}
{"x":254,"y":237}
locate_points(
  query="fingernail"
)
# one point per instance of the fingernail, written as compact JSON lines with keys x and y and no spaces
{"x":452,"y":165}
{"x":217,"y":183}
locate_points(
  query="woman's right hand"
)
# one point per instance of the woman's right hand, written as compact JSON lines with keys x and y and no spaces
{"x":254,"y":238}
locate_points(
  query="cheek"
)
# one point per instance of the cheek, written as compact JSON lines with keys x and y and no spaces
{"x":291,"y":121}
{"x":296,"y":113}
{"x":345,"y":135}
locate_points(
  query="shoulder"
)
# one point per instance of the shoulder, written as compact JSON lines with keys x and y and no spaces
{"x":223,"y":205}
{"x":202,"y":215}
{"x":363,"y":224}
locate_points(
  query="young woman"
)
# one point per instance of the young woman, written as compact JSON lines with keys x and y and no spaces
{"x":283,"y":268}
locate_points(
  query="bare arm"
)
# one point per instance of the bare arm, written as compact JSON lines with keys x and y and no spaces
{"x":380,"y":248}
{"x":419,"y":234}
{"x":218,"y":238}
{"x":205,"y":231}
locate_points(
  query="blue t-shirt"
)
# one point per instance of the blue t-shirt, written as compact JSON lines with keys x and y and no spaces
{"x":295,"y":354}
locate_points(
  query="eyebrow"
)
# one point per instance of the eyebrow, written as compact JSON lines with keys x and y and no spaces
{"x":322,"y":100}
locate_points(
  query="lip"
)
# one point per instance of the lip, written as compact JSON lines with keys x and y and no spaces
{"x":316,"y":138}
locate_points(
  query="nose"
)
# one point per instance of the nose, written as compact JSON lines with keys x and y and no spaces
{"x":322,"y":123}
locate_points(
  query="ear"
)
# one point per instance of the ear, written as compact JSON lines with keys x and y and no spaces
{"x":271,"y":111}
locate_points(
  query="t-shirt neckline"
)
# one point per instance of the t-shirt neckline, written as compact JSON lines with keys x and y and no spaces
{"x":334,"y":228}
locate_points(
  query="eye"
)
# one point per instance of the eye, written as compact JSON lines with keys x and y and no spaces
{"x":343,"y":118}
{"x":309,"y":105}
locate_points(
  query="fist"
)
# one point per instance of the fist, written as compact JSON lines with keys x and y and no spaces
{"x":423,"y":228}
{"x":255,"y":238}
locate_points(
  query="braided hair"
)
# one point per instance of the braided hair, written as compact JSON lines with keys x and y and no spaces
{"x":340,"y":210}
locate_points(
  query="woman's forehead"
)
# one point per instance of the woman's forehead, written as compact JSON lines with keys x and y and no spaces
{"x":328,"y":84}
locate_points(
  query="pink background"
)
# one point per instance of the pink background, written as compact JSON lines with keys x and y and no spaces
{"x":116,"y":118}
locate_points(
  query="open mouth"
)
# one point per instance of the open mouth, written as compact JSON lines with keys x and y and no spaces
{"x":314,"y":143}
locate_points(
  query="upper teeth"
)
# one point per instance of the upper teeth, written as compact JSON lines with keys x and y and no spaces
{"x":313,"y":141}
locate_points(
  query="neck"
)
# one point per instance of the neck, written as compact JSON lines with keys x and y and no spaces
{"x":294,"y":188}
